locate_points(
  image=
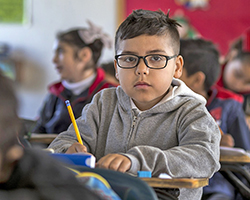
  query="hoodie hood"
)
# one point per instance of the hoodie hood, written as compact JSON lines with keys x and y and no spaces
{"x":180,"y":95}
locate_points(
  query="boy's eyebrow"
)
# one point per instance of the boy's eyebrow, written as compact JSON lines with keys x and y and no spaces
{"x":148,"y":52}
{"x":156,"y":51}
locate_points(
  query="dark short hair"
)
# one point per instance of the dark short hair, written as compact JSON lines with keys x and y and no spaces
{"x":9,"y":121}
{"x":72,"y":37}
{"x":243,"y":56}
{"x":146,"y":22}
{"x":201,"y":55}
{"x":109,"y":68}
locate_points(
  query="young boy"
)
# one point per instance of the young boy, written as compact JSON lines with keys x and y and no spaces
{"x":152,"y":121}
{"x":28,"y":174}
{"x":235,"y":76}
{"x":201,"y":70}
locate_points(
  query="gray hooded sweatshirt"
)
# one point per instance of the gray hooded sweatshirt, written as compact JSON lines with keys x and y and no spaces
{"x":178,"y":137}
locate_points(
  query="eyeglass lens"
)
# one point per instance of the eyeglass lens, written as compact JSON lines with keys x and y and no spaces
{"x":152,"y":61}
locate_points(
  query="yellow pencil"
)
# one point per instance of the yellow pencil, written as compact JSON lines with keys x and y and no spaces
{"x":73,"y":121}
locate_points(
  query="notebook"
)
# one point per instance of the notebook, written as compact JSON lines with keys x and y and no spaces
{"x":76,"y":159}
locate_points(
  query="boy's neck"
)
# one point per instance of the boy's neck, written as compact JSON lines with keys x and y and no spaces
{"x":205,"y":94}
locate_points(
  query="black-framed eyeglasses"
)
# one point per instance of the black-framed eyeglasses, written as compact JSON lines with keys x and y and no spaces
{"x":153,"y":61}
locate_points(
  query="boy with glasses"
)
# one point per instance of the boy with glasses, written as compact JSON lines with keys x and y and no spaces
{"x":152,"y":121}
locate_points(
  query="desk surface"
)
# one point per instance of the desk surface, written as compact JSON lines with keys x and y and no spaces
{"x":42,"y":138}
{"x":234,"y":155}
{"x":176,"y":182}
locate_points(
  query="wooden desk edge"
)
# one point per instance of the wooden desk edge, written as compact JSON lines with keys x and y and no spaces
{"x":43,"y":138}
{"x":235,"y":158}
{"x":176,"y":182}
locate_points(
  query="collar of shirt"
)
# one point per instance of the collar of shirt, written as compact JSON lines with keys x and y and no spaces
{"x":166,"y":98}
{"x":79,"y":87}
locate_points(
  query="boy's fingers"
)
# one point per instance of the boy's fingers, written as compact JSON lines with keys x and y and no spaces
{"x":76,"y":147}
{"x":115,"y":162}
{"x":125,"y":165}
{"x":104,"y":161}
{"x":81,"y":148}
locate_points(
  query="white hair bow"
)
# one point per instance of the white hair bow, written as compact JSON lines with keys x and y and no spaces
{"x":95,"y":32}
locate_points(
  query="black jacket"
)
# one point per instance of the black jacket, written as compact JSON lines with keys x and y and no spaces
{"x":54,"y":116}
{"x":37,"y":176}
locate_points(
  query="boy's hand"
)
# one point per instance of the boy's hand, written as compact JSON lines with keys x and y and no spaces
{"x":115,"y":162}
{"x":77,"y":148}
{"x":227,"y":140}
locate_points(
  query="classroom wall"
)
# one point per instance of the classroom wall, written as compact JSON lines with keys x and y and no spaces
{"x":32,"y":44}
{"x":221,"y":21}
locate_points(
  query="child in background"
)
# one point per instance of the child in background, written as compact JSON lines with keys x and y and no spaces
{"x":152,"y":121}
{"x":235,"y":48}
{"x":110,"y":72}
{"x":27,"y":174}
{"x":235,"y":76}
{"x":200,"y":72}
{"x":77,"y":52}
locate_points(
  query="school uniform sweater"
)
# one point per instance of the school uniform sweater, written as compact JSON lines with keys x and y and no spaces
{"x":178,"y":137}
{"x":54,"y":116}
{"x":226,"y":108}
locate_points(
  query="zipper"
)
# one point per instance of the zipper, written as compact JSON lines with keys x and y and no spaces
{"x":133,"y":123}
{"x":131,"y":130}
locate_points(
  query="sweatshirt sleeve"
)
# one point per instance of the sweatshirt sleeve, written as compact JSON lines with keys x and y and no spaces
{"x":88,"y":124}
{"x":87,"y":130}
{"x":196,"y":155}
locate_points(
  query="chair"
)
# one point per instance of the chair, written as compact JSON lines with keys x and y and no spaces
{"x":239,"y":176}
{"x":235,"y":163}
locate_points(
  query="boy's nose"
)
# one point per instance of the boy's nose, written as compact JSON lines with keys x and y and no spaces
{"x":55,"y":59}
{"x":142,"y":68}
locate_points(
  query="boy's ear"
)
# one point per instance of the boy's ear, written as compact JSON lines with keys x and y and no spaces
{"x":198,"y":80}
{"x":84,"y":54}
{"x":116,"y":71}
{"x":178,"y":66}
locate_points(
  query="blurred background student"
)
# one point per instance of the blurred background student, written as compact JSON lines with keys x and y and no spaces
{"x":110,"y":74}
{"x":77,"y":52}
{"x":235,"y":75}
{"x":200,"y":72}
{"x":29,"y":174}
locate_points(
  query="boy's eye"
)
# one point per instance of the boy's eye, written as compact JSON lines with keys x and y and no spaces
{"x":130,"y":59}
{"x":155,"y":58}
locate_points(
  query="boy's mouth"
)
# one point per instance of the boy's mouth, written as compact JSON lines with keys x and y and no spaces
{"x":141,"y":84}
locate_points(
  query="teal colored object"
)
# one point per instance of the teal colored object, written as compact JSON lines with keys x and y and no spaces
{"x":144,"y":174}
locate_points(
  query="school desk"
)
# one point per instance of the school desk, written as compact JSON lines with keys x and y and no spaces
{"x":234,"y":155}
{"x":42,"y":138}
{"x":235,"y":164}
{"x":169,"y":188}
{"x":176,"y":182}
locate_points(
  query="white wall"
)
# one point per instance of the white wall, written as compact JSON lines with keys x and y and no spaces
{"x":33,"y":44}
